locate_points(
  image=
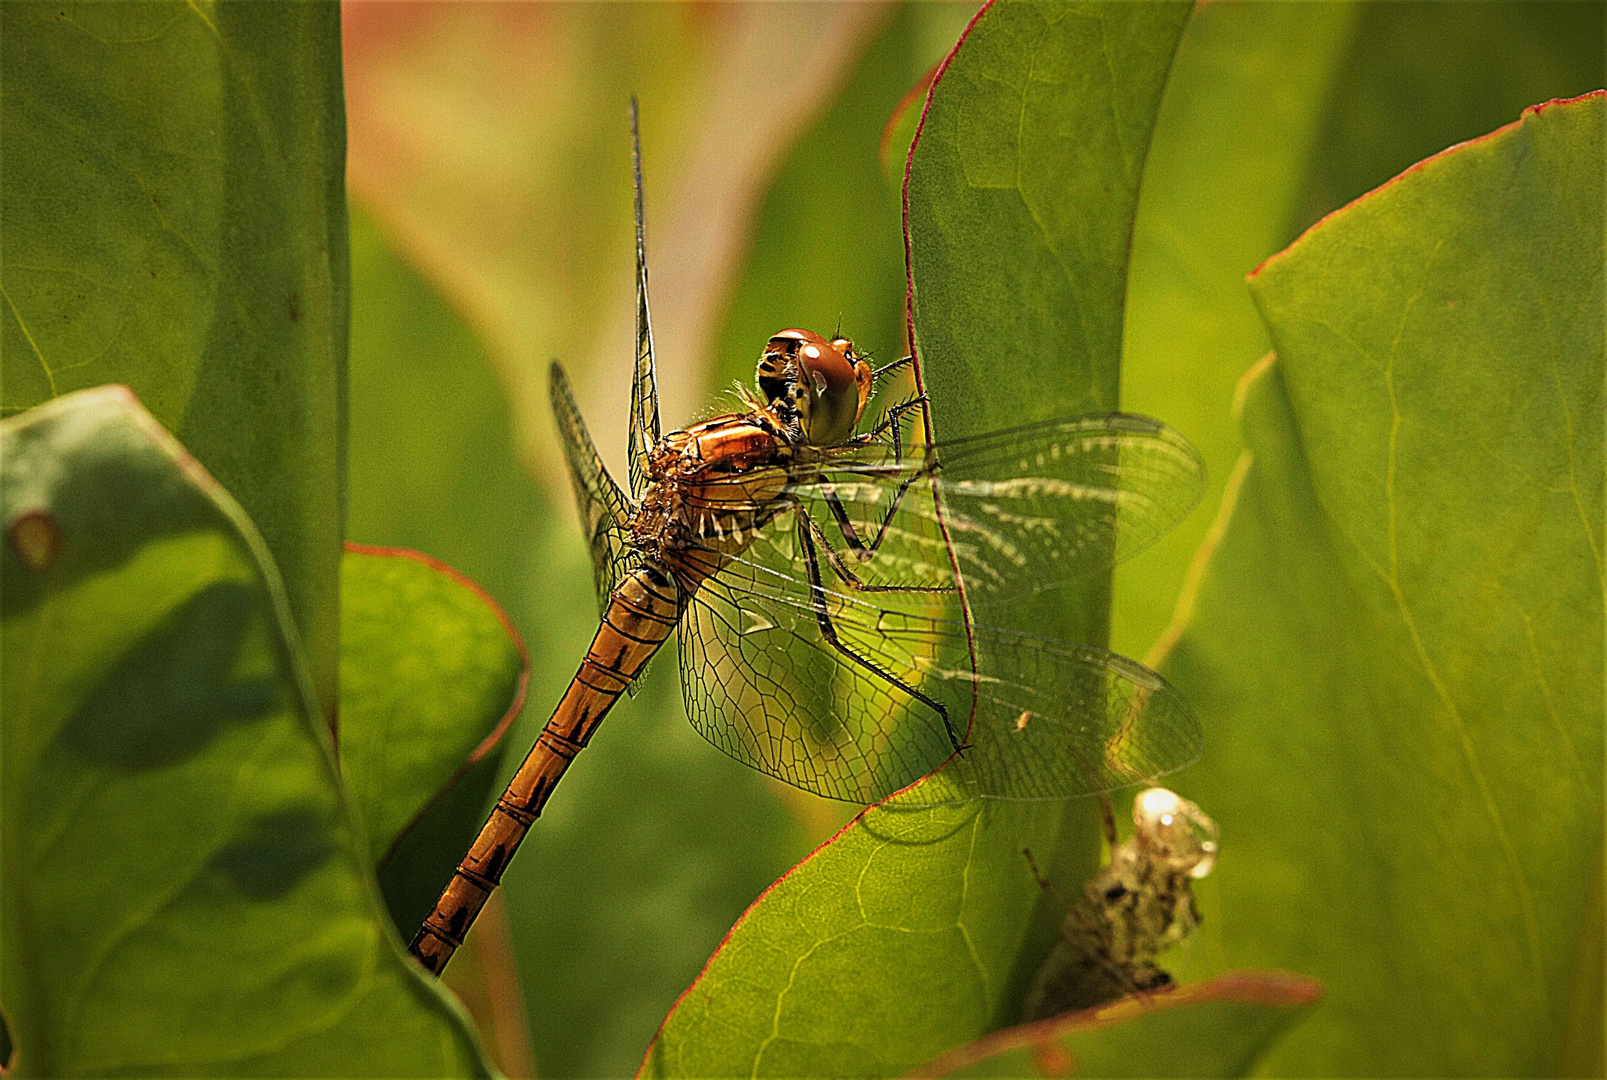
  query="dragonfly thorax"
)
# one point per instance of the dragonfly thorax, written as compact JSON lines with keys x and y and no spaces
{"x":709,"y":488}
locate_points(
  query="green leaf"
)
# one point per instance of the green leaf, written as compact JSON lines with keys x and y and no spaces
{"x":186,"y":890}
{"x":916,"y":930}
{"x":898,"y":939}
{"x":1216,"y":1028}
{"x":432,"y":675}
{"x":1242,"y":112}
{"x":1406,"y":614}
{"x":175,"y":219}
{"x":1022,"y":193}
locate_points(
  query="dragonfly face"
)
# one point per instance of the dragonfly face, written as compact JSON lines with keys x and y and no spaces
{"x":822,"y":385}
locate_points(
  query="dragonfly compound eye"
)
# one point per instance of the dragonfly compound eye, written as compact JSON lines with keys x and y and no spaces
{"x":825,"y":381}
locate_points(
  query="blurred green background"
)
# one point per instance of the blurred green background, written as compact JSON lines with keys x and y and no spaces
{"x":489,"y":178}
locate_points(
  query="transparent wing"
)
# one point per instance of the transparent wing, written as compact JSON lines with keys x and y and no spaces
{"x":604,"y":510}
{"x":644,"y":384}
{"x":1025,"y":511}
{"x":833,"y":654}
{"x":853,"y":695}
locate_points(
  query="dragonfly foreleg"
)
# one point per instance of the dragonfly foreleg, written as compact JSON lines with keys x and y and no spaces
{"x":892,"y":420}
{"x":888,"y":369}
{"x":828,"y":630}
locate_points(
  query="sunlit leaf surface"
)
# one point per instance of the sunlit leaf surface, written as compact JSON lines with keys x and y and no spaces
{"x":1397,"y":653}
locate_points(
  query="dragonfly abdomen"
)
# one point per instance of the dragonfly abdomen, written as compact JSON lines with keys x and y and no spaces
{"x":640,"y":615}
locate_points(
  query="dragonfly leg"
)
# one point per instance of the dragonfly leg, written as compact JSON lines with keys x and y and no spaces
{"x":858,"y":546}
{"x":892,"y":419}
{"x":888,"y":369}
{"x":835,"y":560}
{"x":828,"y":630}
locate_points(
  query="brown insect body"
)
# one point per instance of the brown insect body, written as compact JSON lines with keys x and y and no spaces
{"x":711,"y":486}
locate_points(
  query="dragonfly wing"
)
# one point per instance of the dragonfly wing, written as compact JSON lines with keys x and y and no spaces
{"x":853,"y":694}
{"x":763,"y":685}
{"x":644,"y":384}
{"x":1024,"y":511}
{"x":604,"y":509}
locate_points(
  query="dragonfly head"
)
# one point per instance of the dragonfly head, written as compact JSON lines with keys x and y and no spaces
{"x":824,"y":383}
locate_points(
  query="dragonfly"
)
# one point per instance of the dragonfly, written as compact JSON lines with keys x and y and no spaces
{"x":821,"y":568}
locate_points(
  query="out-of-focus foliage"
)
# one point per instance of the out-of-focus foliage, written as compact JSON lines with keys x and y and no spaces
{"x":491,"y":141}
{"x":1420,"y":76}
{"x":175,"y":219}
{"x":917,"y":929}
{"x":1242,"y":111}
{"x":187,"y":891}
{"x":1398,"y":647}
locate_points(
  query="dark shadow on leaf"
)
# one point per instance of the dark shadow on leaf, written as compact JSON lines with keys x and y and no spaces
{"x":276,"y":853}
{"x":173,"y":693}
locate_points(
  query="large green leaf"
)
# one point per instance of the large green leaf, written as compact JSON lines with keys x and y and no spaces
{"x":1216,"y":1028}
{"x":1022,"y":194}
{"x":1397,"y":652}
{"x":185,"y":888}
{"x":432,"y":675}
{"x":915,"y":930}
{"x":174,"y":214}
